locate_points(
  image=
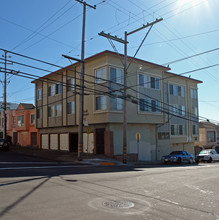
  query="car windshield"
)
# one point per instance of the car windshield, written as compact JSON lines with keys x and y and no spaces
{"x":176,"y":153}
{"x":205,"y":151}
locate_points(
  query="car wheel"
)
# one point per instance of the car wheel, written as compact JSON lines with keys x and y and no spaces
{"x":210,"y":160}
{"x":179,"y":160}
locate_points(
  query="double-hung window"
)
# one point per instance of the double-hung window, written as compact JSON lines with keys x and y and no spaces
{"x":173,"y":90}
{"x":51,"y":90}
{"x":181,"y":110}
{"x":39,"y":94}
{"x":144,"y":80}
{"x":58,"y":111}
{"x":194,"y":94}
{"x":32,"y":119}
{"x":101,"y":75}
{"x":155,"y":83}
{"x":155,"y":106}
{"x":181,"y":91}
{"x":116,"y":75}
{"x":20,"y":121}
{"x":100,"y":102}
{"x":51,"y":111}
{"x":59,"y":88}
{"x":71,"y":108}
{"x":144,"y":105}
{"x":70,"y":84}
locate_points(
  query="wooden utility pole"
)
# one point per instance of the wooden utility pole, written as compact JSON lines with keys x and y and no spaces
{"x":81,"y":99}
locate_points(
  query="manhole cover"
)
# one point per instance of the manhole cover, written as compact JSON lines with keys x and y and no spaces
{"x":122,"y":204}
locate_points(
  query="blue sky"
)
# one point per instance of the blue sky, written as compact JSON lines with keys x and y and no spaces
{"x":46,"y":29}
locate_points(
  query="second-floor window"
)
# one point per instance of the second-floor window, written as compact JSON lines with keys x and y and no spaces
{"x":195,"y":129}
{"x":177,"y":129}
{"x":116,"y":104}
{"x":101,"y":103}
{"x":149,"y":105}
{"x":20,"y":121}
{"x":71,"y":108}
{"x":70,"y":84}
{"x":32,"y":119}
{"x":55,"y":110}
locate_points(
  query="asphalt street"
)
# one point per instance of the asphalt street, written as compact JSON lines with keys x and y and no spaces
{"x":32,"y":188}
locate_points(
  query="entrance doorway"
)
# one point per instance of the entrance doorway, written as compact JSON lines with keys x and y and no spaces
{"x":73,"y":142}
{"x":33,"y":138}
{"x":100,"y":141}
{"x":15,"y":138}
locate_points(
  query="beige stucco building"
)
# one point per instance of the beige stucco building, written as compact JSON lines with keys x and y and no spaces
{"x":161,"y":106}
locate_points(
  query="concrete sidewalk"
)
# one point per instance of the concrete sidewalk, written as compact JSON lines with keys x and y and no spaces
{"x":71,"y":157}
{"x":65,"y":156}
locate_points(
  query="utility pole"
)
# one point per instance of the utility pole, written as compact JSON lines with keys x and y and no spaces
{"x":5,"y":95}
{"x":81,"y":98}
{"x":125,"y":42}
{"x":5,"y":98}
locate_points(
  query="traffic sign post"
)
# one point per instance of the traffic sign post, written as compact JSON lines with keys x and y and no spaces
{"x":138,"y":138}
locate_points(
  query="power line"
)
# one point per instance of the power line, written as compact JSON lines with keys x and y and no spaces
{"x":38,"y":31}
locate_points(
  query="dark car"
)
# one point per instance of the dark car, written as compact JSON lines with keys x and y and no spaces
{"x":178,"y":157}
{"x":4,"y":145}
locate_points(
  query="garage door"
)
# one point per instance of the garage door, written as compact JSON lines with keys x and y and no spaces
{"x":64,"y":142}
{"x":54,"y":141}
{"x":45,"y":141}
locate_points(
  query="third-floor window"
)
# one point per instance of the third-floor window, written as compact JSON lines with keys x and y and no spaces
{"x":149,"y":81}
{"x":39,"y":94}
{"x":116,"y":75}
{"x":55,"y":89}
{"x":101,"y":75}
{"x":177,"y":90}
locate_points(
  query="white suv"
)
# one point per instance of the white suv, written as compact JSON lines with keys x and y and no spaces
{"x":208,"y":155}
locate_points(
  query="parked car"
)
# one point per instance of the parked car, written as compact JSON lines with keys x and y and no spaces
{"x":4,"y":144}
{"x":207,"y":155}
{"x":178,"y":157}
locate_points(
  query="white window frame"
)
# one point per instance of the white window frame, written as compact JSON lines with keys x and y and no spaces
{"x":70,"y":84}
{"x":100,"y":75}
{"x":31,"y":119}
{"x":102,"y":104}
{"x":39,"y":94}
{"x":71,"y":107}
{"x":119,"y":75}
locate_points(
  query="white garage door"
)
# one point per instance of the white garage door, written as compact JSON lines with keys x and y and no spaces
{"x":64,"y":142}
{"x":54,"y":141}
{"x":45,"y":141}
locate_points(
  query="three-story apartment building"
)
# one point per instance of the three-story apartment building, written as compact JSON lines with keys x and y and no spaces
{"x":161,"y":106}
